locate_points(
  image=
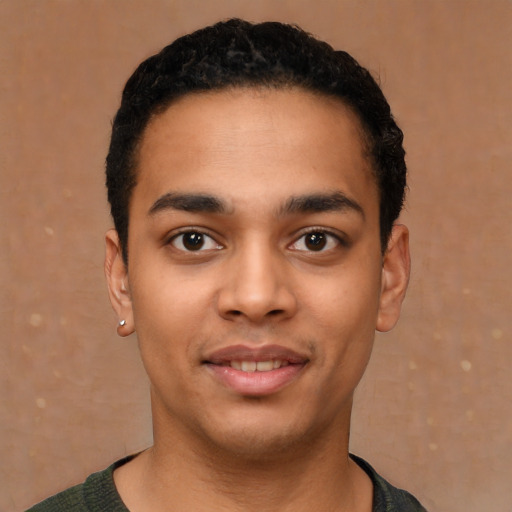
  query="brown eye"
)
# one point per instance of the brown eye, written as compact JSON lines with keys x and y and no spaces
{"x":194,"y":241}
{"x":315,"y":241}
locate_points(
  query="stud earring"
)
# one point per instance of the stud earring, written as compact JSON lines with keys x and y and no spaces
{"x":122,"y":323}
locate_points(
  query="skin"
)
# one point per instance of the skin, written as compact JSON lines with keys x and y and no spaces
{"x":257,"y":280}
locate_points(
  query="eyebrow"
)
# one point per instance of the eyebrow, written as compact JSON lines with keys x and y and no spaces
{"x":318,"y":203}
{"x":196,"y":203}
{"x":307,"y":203}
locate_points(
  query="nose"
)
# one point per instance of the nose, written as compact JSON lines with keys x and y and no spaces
{"x":257,"y":286}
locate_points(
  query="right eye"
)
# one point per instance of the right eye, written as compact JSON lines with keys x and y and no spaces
{"x":194,"y":241}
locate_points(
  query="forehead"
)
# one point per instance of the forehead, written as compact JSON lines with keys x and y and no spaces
{"x":277,"y":141}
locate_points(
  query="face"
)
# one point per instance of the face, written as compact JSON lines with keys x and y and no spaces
{"x":255,"y":279}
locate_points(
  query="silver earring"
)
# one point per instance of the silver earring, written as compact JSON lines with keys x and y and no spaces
{"x":122,"y":323}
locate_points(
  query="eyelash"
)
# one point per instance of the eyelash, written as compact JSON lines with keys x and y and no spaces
{"x":191,"y":231}
{"x":311,"y":231}
{"x":340,"y":241}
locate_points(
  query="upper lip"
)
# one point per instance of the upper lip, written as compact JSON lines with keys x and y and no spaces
{"x":262,"y":353}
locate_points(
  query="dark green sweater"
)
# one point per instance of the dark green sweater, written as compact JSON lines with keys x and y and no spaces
{"x":99,"y":494}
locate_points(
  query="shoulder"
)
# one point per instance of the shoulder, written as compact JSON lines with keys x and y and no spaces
{"x":71,"y":500}
{"x":386,"y":497}
{"x":97,"y":494}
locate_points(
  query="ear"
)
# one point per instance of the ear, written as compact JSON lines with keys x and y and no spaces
{"x":116,"y":273}
{"x":396,"y":268}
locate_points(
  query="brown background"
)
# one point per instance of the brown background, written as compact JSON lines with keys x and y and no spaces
{"x":433,"y":412}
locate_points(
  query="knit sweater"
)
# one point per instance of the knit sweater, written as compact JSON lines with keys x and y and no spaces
{"x":99,"y":494}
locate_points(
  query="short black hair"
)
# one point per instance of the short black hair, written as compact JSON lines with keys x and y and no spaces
{"x":236,"y":53}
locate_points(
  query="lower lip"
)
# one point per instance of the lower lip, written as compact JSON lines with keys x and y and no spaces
{"x":256,"y":383}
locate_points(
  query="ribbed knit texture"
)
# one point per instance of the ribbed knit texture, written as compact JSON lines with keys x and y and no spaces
{"x":99,"y":494}
{"x":387,"y":498}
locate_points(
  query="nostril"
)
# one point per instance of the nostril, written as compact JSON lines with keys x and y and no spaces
{"x":255,"y":300}
{"x":272,"y":313}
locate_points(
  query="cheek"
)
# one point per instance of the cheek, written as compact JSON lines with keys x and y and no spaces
{"x":346,"y":300}
{"x":164,"y":297}
{"x":168,"y":311}
{"x":167,"y":332}
{"x":344,"y":313}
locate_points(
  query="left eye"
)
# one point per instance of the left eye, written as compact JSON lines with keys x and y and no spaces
{"x":316,"y":241}
{"x":194,"y":241}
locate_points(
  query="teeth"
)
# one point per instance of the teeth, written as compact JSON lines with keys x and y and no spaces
{"x":264,"y":366}
{"x":260,"y":366}
{"x":248,"y":366}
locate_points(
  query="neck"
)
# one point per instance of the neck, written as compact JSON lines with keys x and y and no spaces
{"x":313,"y":474}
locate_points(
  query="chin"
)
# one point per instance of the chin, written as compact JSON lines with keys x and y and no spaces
{"x":253,"y":447}
{"x":260,"y":439}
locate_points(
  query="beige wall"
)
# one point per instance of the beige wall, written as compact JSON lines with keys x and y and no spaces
{"x":433,"y":413}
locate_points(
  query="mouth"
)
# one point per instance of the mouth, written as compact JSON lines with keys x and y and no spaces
{"x":257,"y":366}
{"x":260,"y":371}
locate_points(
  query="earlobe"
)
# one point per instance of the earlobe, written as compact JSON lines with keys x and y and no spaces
{"x":395,"y":278}
{"x":117,"y":282}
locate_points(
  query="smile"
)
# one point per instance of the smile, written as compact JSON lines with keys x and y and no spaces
{"x":250,"y":371}
{"x":257,"y":366}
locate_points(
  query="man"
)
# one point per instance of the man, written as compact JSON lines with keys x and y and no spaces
{"x":255,"y":177}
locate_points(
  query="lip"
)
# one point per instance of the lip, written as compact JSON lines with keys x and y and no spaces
{"x":258,"y":383}
{"x":263,"y":353}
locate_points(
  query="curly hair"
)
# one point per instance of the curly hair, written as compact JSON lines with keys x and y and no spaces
{"x":236,"y":53}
